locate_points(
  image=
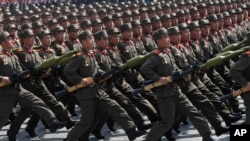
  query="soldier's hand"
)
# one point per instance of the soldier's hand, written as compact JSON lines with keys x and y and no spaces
{"x":164,"y":80}
{"x":85,"y":82}
{"x":6,"y":80}
{"x":248,"y":86}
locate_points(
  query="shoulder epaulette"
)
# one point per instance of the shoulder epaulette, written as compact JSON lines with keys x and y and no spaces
{"x":20,"y":50}
{"x":157,"y":51}
{"x":95,"y":50}
{"x":79,"y":54}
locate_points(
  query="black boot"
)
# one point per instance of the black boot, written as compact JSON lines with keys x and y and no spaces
{"x":144,"y":126}
{"x":11,"y":136}
{"x":70,"y":123}
{"x":31,"y":131}
{"x":221,"y":130}
{"x":231,"y":118}
{"x":169,"y":135}
{"x":133,"y":134}
{"x":98,"y":135}
{"x":207,"y":138}
{"x":56,"y":125}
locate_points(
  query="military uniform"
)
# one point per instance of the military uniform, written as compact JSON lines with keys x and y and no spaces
{"x":199,"y":54}
{"x":60,"y":48}
{"x":34,"y":84}
{"x":132,"y":75}
{"x":93,"y":97}
{"x":147,"y":40}
{"x":200,"y":100}
{"x":169,"y":96}
{"x":143,"y":104}
{"x":240,"y":73}
{"x":106,"y":64}
{"x":73,"y":43}
{"x":14,"y":93}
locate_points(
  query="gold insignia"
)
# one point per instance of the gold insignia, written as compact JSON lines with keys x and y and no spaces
{"x":127,"y":49}
{"x":5,"y":61}
{"x":26,"y":59}
{"x":165,"y":60}
{"x":86,"y":63}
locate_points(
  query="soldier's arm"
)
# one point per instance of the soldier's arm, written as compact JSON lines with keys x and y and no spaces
{"x":148,"y":68}
{"x":237,"y":70}
{"x":71,"y":70}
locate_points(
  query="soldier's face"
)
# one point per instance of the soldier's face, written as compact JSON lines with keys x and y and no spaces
{"x":214,"y":25}
{"x":205,"y":30}
{"x":88,"y":43}
{"x":103,"y":43}
{"x":164,"y":42}
{"x":60,"y":36}
{"x":175,"y":38}
{"x":128,"y":35}
{"x":156,"y":25}
{"x":185,"y":35}
{"x":227,"y":21}
{"x":137,"y":31}
{"x":29,"y":41}
{"x":7,"y":44}
{"x":166,"y":23}
{"x":114,"y":39}
{"x":46,"y":40}
{"x":147,"y":28}
{"x":195,"y":33}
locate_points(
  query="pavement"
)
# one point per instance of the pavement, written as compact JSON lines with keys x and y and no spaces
{"x":188,"y":132}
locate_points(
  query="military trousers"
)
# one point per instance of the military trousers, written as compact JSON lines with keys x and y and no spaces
{"x":168,"y":106}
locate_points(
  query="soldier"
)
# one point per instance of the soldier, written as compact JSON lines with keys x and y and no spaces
{"x":147,"y":40}
{"x":60,"y":47}
{"x":63,"y":21}
{"x":240,"y":73}
{"x":166,"y":21}
{"x":230,"y":33}
{"x":72,"y":18}
{"x":132,"y":75}
{"x":34,"y":84}
{"x":143,"y":104}
{"x":37,"y":29}
{"x":86,"y":25}
{"x":106,"y":64}
{"x":73,"y":43}
{"x":108,"y":22}
{"x":92,"y":98}
{"x":221,"y":107}
{"x":217,"y":47}
{"x":97,"y":25}
{"x":169,"y":97}
{"x":156,"y":22}
{"x":137,"y":33}
{"x":199,"y":99}
{"x":12,"y":92}
{"x":117,"y":18}
{"x":12,"y":29}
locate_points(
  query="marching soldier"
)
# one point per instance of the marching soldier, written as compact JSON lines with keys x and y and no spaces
{"x":12,"y":92}
{"x":200,"y":100}
{"x":92,"y":98}
{"x":73,"y":43}
{"x":169,"y":97}
{"x":221,"y":107}
{"x":147,"y":40}
{"x":128,"y":51}
{"x":137,"y":33}
{"x":240,"y":73}
{"x":143,"y":104}
{"x":29,"y":59}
